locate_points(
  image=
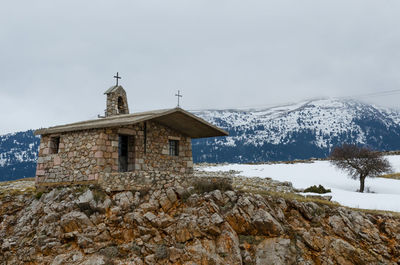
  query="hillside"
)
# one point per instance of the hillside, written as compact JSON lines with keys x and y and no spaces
{"x":381,"y":193}
{"x":86,"y":225}
{"x":18,"y":155}
{"x":297,"y":131}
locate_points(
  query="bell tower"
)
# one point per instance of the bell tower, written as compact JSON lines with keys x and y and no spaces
{"x":117,"y":103}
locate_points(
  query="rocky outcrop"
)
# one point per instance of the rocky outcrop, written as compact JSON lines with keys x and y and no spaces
{"x":86,"y":225}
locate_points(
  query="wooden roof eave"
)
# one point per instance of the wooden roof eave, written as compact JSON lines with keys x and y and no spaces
{"x":158,"y":116}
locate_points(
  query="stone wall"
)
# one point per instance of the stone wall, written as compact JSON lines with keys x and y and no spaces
{"x":79,"y":157}
{"x":141,"y":180}
{"x":156,"y":156}
{"x":153,"y":180}
{"x":148,"y":181}
{"x":85,"y":156}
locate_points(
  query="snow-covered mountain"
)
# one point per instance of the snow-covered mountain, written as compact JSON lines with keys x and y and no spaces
{"x":297,"y":131}
{"x":18,"y":155}
{"x":294,"y":131}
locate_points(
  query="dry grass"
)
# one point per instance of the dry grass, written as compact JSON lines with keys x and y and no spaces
{"x":249,"y":187}
{"x":300,"y":198}
{"x":26,"y":179}
{"x":4,"y":183}
{"x":16,"y":192}
{"x":291,"y":196}
{"x":203,"y":186}
{"x":17,"y":187}
{"x":391,"y":176}
{"x":376,"y":212}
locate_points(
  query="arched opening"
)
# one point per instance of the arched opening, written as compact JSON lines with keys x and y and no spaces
{"x":121,"y":105}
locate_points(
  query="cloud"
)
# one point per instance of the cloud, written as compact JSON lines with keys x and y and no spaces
{"x":58,"y":57}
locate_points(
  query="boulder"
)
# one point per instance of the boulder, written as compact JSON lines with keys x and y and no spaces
{"x":86,"y":197}
{"x":152,"y":218}
{"x":165,"y":203}
{"x":265,"y":224}
{"x":231,"y":195}
{"x":275,"y":251}
{"x":74,"y":221}
{"x":216,"y":219}
{"x":171,"y":195}
{"x":95,"y":260}
{"x":124,"y":199}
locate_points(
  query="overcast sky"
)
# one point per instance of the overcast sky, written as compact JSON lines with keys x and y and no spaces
{"x":58,"y":57}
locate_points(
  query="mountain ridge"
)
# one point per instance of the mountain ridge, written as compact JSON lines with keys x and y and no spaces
{"x":306,"y":129}
{"x":319,"y":124}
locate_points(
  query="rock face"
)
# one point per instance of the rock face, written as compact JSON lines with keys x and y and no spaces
{"x":79,"y":225}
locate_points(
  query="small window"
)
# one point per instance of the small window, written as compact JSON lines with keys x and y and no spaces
{"x":173,"y":147}
{"x":54,"y":145}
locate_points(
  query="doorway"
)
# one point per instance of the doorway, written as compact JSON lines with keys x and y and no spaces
{"x":126,"y":155}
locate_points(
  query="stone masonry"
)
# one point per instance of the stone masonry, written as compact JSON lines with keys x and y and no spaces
{"x":117,"y":102}
{"x":90,"y":156}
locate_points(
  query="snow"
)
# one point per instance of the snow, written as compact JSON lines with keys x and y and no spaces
{"x":229,"y":141}
{"x":386,"y":194}
{"x":3,"y":160}
{"x":20,"y":156}
{"x":326,"y":118}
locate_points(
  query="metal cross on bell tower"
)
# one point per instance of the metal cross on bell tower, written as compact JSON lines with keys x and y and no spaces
{"x":116,"y":78}
{"x":178,"y":96}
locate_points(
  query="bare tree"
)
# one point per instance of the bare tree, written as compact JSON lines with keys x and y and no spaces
{"x":359,"y":162}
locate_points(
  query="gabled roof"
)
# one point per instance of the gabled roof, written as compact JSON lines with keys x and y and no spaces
{"x":177,"y":119}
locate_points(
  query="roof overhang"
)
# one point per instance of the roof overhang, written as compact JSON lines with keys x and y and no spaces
{"x":176,"y":119}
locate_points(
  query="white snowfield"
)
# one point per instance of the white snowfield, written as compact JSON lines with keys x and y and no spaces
{"x":385,"y":196}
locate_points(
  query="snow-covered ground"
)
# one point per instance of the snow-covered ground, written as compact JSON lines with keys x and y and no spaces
{"x":386,"y":194}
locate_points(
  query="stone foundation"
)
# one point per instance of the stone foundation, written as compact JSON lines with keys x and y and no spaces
{"x":139,"y":181}
{"x":144,"y":180}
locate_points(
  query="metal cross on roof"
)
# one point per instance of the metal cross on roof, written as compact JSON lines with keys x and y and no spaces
{"x":178,"y":96}
{"x":117,"y":77}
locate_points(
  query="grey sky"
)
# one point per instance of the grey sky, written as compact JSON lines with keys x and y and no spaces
{"x":58,"y":57}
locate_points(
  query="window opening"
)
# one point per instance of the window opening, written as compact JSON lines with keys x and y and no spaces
{"x":126,"y":153}
{"x":173,"y":147}
{"x":123,"y":153}
{"x":54,"y":145}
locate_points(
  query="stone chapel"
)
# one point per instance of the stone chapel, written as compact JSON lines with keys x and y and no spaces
{"x":120,"y":150}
